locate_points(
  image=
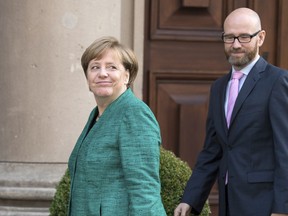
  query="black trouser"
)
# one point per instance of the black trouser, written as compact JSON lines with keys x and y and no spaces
{"x":226,"y":200}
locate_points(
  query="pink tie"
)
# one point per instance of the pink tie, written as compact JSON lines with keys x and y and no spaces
{"x":233,"y":93}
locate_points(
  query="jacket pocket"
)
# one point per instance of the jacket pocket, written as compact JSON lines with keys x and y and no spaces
{"x":260,"y":176}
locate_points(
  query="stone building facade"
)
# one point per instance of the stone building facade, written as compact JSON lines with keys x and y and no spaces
{"x":45,"y":101}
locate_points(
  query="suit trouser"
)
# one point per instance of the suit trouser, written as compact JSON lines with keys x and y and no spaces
{"x":226,"y":200}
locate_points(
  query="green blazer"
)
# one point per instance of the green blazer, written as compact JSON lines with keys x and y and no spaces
{"x":114,"y":166}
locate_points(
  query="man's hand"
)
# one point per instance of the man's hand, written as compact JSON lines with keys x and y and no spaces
{"x":183,"y":209}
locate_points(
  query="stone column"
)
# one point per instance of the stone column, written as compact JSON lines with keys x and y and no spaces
{"x":45,"y":101}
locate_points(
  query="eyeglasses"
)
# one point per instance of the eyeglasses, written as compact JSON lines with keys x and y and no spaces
{"x":243,"y":38}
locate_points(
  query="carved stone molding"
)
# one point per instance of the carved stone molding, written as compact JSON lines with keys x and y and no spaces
{"x":27,"y":189}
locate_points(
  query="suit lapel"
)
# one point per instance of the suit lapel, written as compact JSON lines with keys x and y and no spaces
{"x":249,"y":84}
{"x":74,"y":154}
{"x":222,"y":100}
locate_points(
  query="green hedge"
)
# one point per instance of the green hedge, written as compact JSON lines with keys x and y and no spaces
{"x":174,"y":174}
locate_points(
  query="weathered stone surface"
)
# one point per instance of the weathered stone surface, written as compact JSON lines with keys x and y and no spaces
{"x":28,"y":188}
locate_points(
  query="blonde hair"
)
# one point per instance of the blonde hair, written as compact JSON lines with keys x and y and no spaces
{"x":99,"y":48}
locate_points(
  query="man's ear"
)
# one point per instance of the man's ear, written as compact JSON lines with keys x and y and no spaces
{"x":262,"y":36}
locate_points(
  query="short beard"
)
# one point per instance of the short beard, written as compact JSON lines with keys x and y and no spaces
{"x":244,"y":61}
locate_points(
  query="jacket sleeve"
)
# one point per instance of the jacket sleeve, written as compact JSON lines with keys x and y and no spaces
{"x":278,"y":107}
{"x":206,"y":168}
{"x":139,"y":138}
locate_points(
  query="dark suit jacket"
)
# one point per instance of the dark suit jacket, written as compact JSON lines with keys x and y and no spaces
{"x":254,"y":149}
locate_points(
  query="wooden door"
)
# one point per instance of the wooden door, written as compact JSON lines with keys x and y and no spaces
{"x":184,"y":54}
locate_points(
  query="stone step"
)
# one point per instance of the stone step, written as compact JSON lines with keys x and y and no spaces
{"x":28,"y":188}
